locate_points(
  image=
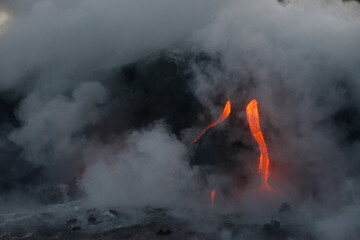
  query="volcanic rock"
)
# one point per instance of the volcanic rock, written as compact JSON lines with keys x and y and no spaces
{"x":91,"y":212}
{"x":91,"y":220}
{"x":164,"y":231}
{"x":114,"y":212}
{"x":73,"y":224}
{"x":92,"y":215}
{"x":272,"y":227}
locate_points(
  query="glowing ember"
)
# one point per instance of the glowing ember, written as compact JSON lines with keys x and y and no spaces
{"x":253,"y":118}
{"x":212,"y":197}
{"x":223,"y":116}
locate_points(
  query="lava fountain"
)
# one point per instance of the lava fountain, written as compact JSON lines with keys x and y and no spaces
{"x":252,"y":113}
{"x":224,"y":115}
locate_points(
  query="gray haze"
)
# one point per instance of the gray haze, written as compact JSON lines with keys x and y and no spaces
{"x":50,"y":56}
{"x":300,"y":60}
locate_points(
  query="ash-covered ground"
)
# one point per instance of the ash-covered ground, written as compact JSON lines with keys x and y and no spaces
{"x":73,"y":221}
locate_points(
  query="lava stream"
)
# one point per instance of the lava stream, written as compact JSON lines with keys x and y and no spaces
{"x":223,"y":116}
{"x":212,"y":197}
{"x":253,"y":119}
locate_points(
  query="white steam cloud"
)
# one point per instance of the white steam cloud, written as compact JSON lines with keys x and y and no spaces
{"x":148,"y":168}
{"x":300,"y":60}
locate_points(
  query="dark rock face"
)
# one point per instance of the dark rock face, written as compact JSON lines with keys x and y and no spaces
{"x":161,"y":87}
{"x":157,"y":87}
{"x":15,"y":172}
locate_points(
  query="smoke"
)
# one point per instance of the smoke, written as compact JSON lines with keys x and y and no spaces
{"x":299,"y":61}
{"x":341,"y":225}
{"x":87,"y":97}
{"x":54,"y":121}
{"x":149,"y":168}
{"x":55,"y":57}
{"x":55,"y":43}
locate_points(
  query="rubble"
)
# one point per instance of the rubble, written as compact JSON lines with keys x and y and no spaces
{"x":74,"y":224}
{"x":272,"y":227}
{"x":92,"y":220}
{"x":79,"y":223}
{"x":164,"y":231}
{"x":114,"y":213}
{"x":92,"y":213}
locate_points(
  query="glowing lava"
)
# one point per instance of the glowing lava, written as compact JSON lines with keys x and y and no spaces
{"x":212,"y":197}
{"x":252,"y":113}
{"x":223,"y":116}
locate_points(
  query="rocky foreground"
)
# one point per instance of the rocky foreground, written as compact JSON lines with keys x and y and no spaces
{"x":71,"y":222}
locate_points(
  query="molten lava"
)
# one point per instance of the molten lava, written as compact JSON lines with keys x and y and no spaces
{"x":212,"y":197}
{"x":223,"y":116}
{"x":253,"y":118}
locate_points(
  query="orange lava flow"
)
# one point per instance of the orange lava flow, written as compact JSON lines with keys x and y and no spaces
{"x":252,"y":113}
{"x":212,"y":197}
{"x":223,"y":116}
